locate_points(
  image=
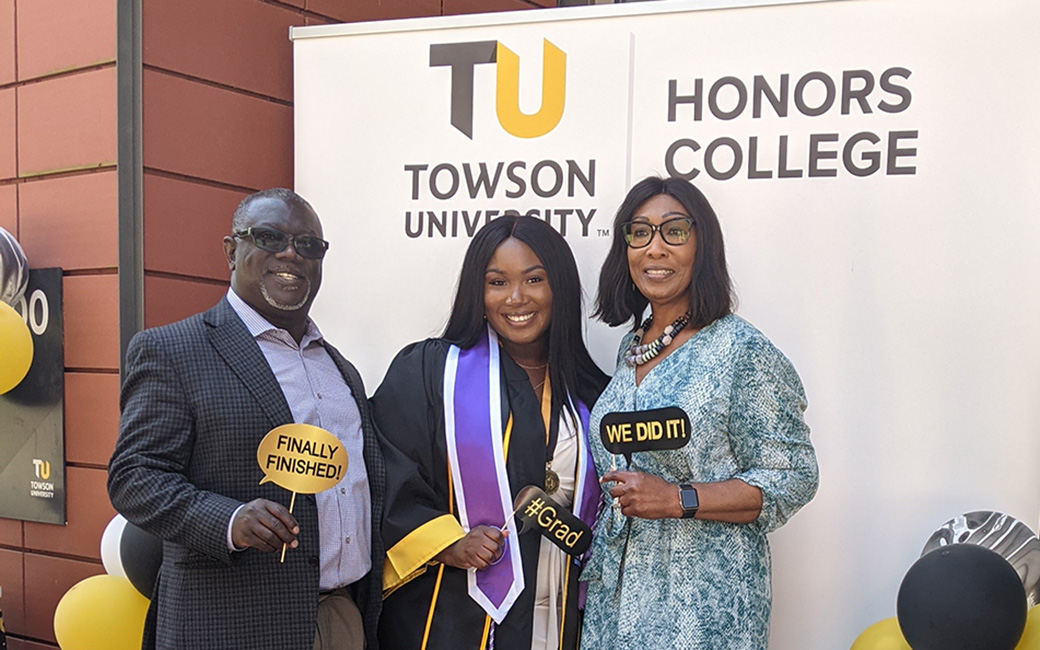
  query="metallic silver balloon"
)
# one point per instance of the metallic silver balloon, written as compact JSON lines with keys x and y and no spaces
{"x":14,"y":269}
{"x":1001,"y":533}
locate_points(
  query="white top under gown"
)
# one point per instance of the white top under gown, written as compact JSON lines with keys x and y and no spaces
{"x":552,"y":561}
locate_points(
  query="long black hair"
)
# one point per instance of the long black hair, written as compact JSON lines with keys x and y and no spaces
{"x":571,"y":368}
{"x":711,"y":295}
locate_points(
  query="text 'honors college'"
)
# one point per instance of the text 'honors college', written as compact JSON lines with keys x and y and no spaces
{"x":853,"y":97}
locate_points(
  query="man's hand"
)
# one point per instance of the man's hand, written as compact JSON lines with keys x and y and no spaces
{"x":480,"y":548}
{"x":644,"y":495}
{"x":265,"y":526}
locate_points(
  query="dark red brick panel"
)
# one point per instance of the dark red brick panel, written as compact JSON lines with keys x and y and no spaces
{"x":10,"y":532}
{"x":7,"y":70}
{"x":49,"y":578}
{"x":67,"y":123}
{"x":352,"y":11}
{"x":9,"y":208}
{"x":71,"y":221}
{"x":8,"y":127}
{"x":56,"y":35}
{"x":240,"y":43}
{"x":167,"y":299}
{"x":482,"y":6}
{"x":12,"y":579}
{"x":91,"y":321}
{"x":184,"y":226}
{"x":91,"y":416}
{"x":201,"y":131}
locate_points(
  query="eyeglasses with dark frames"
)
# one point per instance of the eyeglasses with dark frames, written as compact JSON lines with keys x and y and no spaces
{"x":639,"y":234}
{"x":276,"y":241}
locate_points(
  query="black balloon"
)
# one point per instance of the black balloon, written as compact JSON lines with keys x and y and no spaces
{"x":141,"y":554}
{"x":1000,"y":533}
{"x":961,"y":597}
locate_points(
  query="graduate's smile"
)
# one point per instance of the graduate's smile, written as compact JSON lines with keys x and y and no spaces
{"x":517,"y":296}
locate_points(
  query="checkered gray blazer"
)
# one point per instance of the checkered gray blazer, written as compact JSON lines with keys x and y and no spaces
{"x":197,"y":398}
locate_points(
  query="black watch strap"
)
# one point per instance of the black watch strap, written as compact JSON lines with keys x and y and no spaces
{"x":688,"y":500}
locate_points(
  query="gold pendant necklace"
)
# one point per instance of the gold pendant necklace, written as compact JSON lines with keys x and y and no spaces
{"x":552,"y":480}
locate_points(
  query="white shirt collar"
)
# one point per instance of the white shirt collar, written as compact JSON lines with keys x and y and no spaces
{"x":257,"y":324}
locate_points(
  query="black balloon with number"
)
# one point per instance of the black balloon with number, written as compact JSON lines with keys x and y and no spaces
{"x":141,"y":554}
{"x":961,"y":597}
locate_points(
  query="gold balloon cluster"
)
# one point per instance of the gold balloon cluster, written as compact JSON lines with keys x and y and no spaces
{"x":885,"y":635}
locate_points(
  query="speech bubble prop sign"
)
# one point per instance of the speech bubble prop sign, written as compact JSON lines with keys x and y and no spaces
{"x":302,"y":459}
{"x":626,"y":432}
{"x":539,"y":511}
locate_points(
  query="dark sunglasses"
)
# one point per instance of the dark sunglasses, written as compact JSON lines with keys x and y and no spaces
{"x":639,"y":234}
{"x":276,"y":241}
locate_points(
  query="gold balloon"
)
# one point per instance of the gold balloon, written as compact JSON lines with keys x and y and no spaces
{"x":1031,"y":636}
{"x":16,"y":348}
{"x":883,"y":635}
{"x":101,"y":612}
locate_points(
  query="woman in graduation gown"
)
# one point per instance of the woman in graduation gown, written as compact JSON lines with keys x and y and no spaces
{"x":498,"y":403}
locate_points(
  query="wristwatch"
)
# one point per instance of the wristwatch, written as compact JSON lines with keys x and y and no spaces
{"x":688,"y":500}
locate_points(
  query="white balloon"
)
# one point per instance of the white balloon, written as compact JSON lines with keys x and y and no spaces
{"x":110,"y":556}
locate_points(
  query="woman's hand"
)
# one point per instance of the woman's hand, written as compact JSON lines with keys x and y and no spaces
{"x":651,"y":497}
{"x":644,"y":495}
{"x":479,"y":549}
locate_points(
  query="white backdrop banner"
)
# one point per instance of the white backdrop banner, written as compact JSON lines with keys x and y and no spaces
{"x":873,"y":164}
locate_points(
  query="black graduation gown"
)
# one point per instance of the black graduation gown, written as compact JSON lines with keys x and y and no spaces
{"x":408,"y":409}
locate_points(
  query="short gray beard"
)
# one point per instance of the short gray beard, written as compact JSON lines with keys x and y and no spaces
{"x":281,"y":305}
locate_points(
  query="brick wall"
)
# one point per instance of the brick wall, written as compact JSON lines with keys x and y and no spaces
{"x":58,"y":196}
{"x":217,"y":125}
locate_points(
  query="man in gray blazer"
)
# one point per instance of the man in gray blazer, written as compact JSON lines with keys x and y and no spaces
{"x":198,"y":397}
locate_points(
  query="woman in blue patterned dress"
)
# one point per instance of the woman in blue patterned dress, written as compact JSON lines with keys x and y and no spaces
{"x":680,"y":558}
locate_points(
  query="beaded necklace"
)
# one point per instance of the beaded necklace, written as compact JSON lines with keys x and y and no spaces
{"x":638,"y":354}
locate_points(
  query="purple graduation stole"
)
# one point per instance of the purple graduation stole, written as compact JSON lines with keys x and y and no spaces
{"x":587,"y":494}
{"x":473,"y":428}
{"x":587,"y":491}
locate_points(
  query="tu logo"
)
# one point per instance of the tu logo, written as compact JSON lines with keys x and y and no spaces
{"x":462,"y":57}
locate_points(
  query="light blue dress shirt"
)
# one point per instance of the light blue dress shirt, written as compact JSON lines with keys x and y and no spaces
{"x":318,"y":395}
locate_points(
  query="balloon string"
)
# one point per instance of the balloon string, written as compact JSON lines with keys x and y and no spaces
{"x":292,"y":503}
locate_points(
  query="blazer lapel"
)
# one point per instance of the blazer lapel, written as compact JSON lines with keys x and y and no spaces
{"x":232,"y":341}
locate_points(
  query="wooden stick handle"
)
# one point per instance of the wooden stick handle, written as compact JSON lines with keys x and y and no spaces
{"x":292,"y":503}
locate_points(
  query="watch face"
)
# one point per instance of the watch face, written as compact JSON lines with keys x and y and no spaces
{"x":688,"y":498}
